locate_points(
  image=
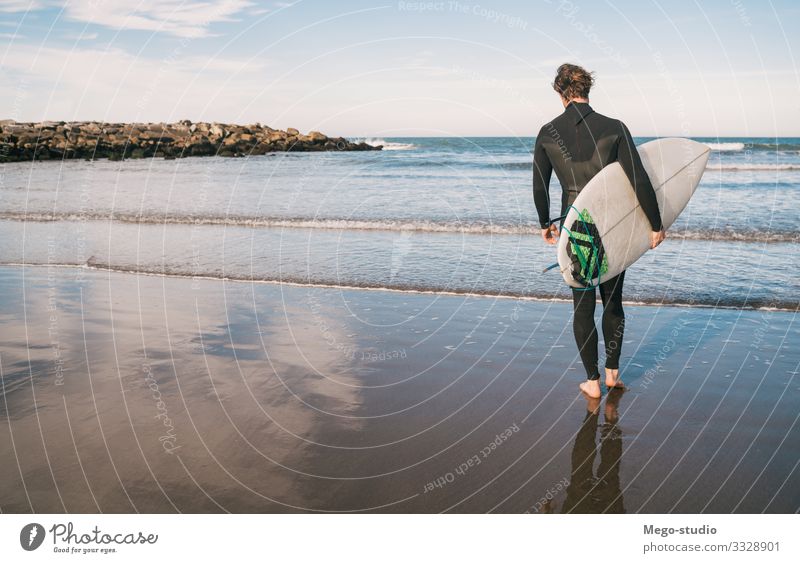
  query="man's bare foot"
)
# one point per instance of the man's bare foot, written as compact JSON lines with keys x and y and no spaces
{"x":612,"y":379}
{"x":591,"y":387}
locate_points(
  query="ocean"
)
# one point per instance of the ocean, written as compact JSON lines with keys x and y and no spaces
{"x":440,"y":215}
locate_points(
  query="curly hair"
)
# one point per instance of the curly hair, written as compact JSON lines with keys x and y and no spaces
{"x":573,"y":81}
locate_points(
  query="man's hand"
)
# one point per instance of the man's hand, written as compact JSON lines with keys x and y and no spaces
{"x":657,"y":237}
{"x":550,"y":234}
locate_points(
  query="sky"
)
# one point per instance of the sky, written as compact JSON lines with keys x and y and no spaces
{"x":387,"y":69}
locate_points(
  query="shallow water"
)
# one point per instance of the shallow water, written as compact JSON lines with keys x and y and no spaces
{"x":439,"y":214}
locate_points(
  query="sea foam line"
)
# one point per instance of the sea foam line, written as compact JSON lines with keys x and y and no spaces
{"x":387,"y":145}
{"x":388,"y":224}
{"x":774,"y":307}
{"x":718,"y":166}
{"x":723,"y":147}
{"x":760,"y":167}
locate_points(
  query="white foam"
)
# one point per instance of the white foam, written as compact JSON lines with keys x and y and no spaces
{"x":725,"y":146}
{"x":387,"y":145}
{"x":335,"y":223}
{"x":386,"y":224}
{"x":764,"y":167}
{"x":139,"y":271}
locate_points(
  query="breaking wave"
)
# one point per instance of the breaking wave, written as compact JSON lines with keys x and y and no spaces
{"x":710,"y":301}
{"x":471,"y":227}
{"x":387,"y":145}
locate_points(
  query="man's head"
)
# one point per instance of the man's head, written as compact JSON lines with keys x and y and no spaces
{"x":573,"y":83}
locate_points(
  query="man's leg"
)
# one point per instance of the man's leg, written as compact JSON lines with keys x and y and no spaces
{"x":613,"y":324}
{"x":583,"y":303}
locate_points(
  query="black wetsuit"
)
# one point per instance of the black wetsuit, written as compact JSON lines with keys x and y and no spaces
{"x":577,"y":145}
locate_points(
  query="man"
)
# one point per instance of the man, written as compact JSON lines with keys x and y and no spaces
{"x":577,"y":145}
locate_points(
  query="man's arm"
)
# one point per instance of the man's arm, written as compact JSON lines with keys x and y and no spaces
{"x":631,"y":163}
{"x":542,"y":171}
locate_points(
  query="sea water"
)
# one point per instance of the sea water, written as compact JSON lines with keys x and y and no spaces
{"x":425,"y":214}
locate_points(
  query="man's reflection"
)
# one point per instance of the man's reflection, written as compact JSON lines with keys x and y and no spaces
{"x":586,"y":492}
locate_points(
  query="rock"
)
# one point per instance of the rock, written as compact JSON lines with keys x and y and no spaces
{"x":117,"y":141}
{"x":203,"y":149}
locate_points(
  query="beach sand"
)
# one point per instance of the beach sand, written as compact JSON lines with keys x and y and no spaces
{"x":126,"y":393}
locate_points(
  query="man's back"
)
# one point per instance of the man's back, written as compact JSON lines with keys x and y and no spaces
{"x":577,"y":145}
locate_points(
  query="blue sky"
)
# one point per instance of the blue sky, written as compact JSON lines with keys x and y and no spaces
{"x":720,"y":68}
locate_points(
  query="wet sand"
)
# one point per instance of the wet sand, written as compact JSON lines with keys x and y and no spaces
{"x":125,"y":393}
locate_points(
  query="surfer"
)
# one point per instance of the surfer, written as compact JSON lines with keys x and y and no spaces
{"x":577,"y":145}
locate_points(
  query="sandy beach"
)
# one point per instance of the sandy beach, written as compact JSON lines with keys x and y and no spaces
{"x":137,"y":393}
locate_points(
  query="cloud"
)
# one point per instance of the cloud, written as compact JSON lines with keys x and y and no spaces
{"x":183,"y":18}
{"x":109,"y":83}
{"x":178,"y":17}
{"x":10,"y":6}
{"x":259,"y":11}
{"x":220,"y":64}
{"x":80,"y":36}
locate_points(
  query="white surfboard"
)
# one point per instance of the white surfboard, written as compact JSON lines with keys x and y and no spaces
{"x":674,"y":166}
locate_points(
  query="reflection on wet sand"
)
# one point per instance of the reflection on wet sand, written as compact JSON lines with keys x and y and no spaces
{"x":590,"y":492}
{"x":168,"y":399}
{"x":124,"y":393}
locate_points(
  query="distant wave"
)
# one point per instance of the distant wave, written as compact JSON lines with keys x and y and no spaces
{"x":475,"y":227}
{"x":735,"y":146}
{"x":732,"y":302}
{"x":725,"y":167}
{"x":729,"y":235}
{"x":387,"y":145}
{"x":724,"y":147}
{"x":735,"y":167}
{"x":517,"y":165}
{"x":335,"y":223}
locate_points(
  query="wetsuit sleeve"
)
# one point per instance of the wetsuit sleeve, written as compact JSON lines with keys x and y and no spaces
{"x":542,"y":171}
{"x":631,"y":163}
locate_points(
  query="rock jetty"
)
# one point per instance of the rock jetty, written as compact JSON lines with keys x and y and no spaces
{"x":50,"y":140}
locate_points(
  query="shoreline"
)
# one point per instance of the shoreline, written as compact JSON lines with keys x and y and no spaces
{"x":448,"y":293}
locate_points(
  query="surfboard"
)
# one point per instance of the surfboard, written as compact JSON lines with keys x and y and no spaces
{"x":606,"y":229}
